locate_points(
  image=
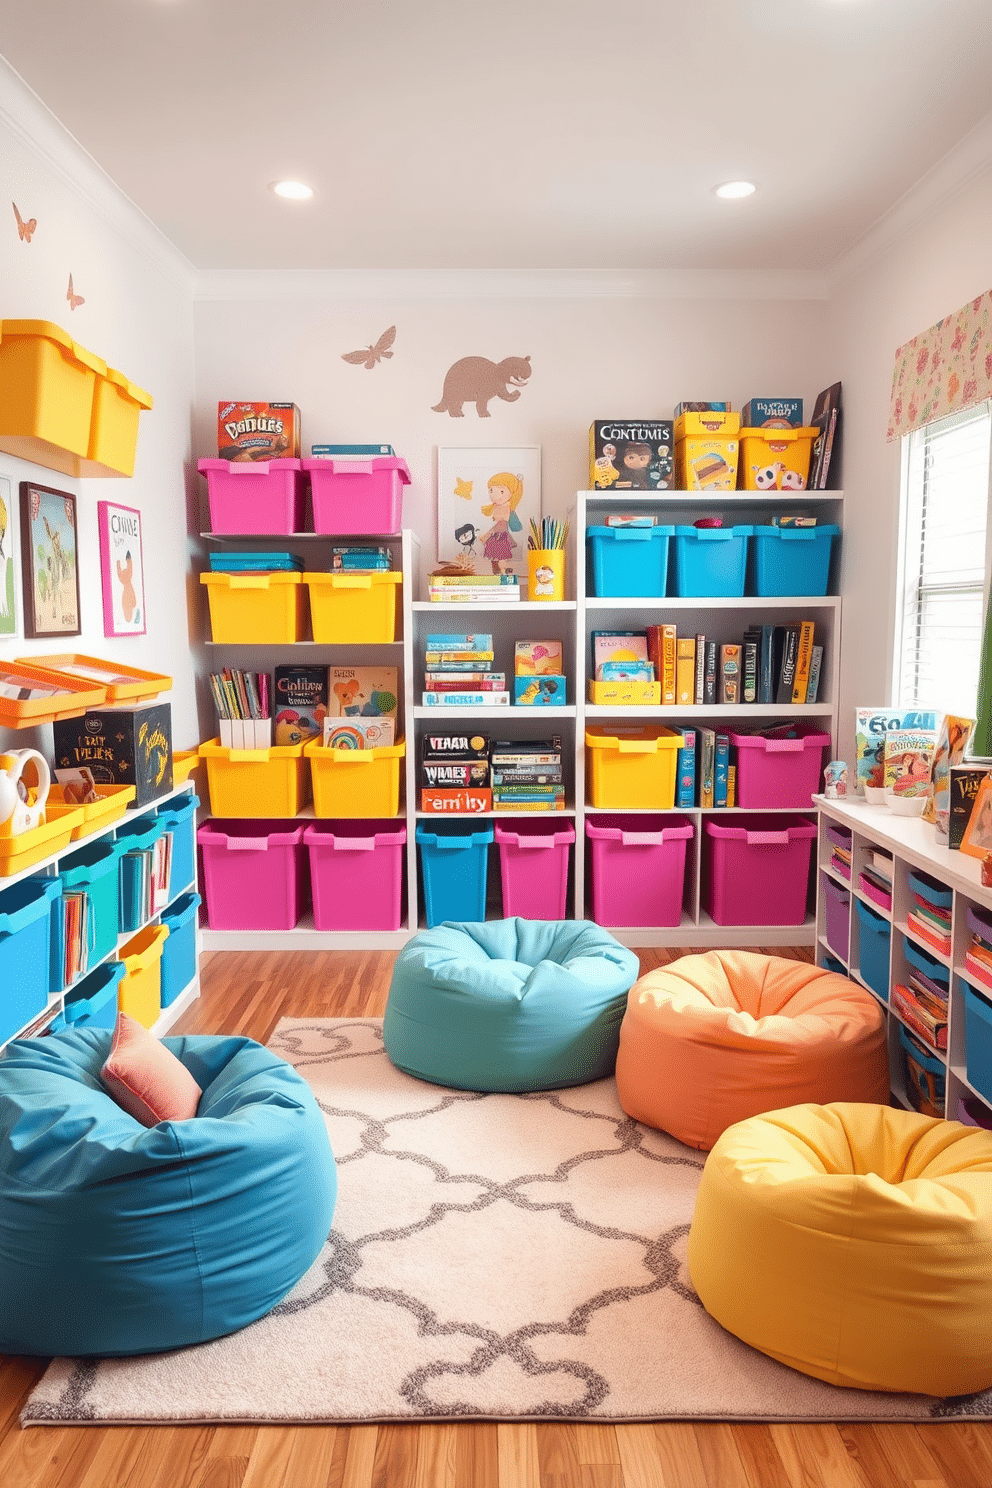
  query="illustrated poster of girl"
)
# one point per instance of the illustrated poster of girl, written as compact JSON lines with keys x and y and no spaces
{"x":498,"y":543}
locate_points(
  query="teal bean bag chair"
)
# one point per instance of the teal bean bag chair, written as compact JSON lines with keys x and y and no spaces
{"x":116,"y":1238}
{"x":509,"y":1005}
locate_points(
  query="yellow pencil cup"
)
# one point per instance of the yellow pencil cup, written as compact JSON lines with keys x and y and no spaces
{"x":546,"y":573}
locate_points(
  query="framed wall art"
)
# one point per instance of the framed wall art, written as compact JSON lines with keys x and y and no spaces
{"x":121,"y":569}
{"x":49,"y":561}
{"x":485,"y":501}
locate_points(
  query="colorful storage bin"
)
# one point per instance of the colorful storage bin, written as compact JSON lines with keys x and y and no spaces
{"x":632,"y":765}
{"x":256,"y":782}
{"x":95,"y":872}
{"x":756,"y":872}
{"x":533,"y":863}
{"x":707,"y":447}
{"x":972,"y":1112}
{"x":255,"y":496}
{"x":179,"y":818}
{"x":47,"y":385}
{"x":357,"y":496}
{"x":874,"y":942}
{"x":179,"y":960}
{"x":111,"y":803}
{"x":27,"y":944}
{"x":710,"y":562}
{"x":140,"y":991}
{"x":113,"y":441}
{"x":978,"y":1040}
{"x":254,"y":874}
{"x":256,"y":608}
{"x":356,"y":874}
{"x":27,"y":848}
{"x":791,"y":560}
{"x":349,"y":608}
{"x":926,"y":1076}
{"x":778,"y":773}
{"x":454,"y":863}
{"x":637,"y":868}
{"x":628,"y":562}
{"x":775,"y":460}
{"x":92,"y":1003}
{"x":355,"y":782}
{"x":838,"y":917}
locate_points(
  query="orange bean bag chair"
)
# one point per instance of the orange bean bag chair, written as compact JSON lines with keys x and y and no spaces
{"x":713,"y":1039}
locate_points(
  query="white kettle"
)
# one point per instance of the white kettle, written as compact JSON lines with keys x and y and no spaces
{"x":24,"y":784}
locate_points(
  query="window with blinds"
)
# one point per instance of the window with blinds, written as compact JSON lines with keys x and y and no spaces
{"x":944,"y":562}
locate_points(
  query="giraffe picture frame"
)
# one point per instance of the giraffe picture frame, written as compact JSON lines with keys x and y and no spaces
{"x":49,"y":561}
{"x":121,"y":569}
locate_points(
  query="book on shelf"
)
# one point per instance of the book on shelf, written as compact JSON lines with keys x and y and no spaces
{"x":474,"y":581}
{"x":766,"y":659}
{"x":749,"y":666}
{"x":470,"y":682}
{"x":465,"y":595}
{"x":709,"y":675}
{"x":300,"y":694}
{"x":351,"y":451}
{"x":826,"y":420}
{"x":455,"y":802}
{"x":470,"y":661}
{"x":707,"y":753}
{"x":476,"y":644}
{"x":731,"y":785}
{"x":928,"y":933}
{"x":699,"y":688}
{"x":465,"y":699}
{"x":685,"y":670}
{"x":815,"y":667}
{"x":449,"y":774}
{"x":787,"y":669}
{"x":800,"y":683}
{"x":662,"y":653}
{"x":730,"y":673}
{"x":685,"y":771}
{"x":362,"y":692}
{"x":721,"y":766}
{"x":358,"y":733}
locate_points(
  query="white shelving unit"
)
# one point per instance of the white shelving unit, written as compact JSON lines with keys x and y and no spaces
{"x":913,"y":845}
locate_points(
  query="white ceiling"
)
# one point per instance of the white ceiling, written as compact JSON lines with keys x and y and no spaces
{"x":522,"y":135}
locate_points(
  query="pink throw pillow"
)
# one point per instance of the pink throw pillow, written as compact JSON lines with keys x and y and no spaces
{"x":146,"y":1078}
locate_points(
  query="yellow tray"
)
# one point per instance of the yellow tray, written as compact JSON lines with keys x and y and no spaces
{"x":123,"y":684}
{"x":28,"y":848}
{"x":184,"y":762}
{"x":113,"y":802}
{"x":73,"y":698}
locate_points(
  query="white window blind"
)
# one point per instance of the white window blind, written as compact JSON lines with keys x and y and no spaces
{"x":944,"y":563}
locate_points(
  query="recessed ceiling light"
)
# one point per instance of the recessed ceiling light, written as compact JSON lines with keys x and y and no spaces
{"x":731,"y":190}
{"x":292,"y":190}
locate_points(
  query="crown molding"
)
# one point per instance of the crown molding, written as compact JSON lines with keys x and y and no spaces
{"x":390,"y":284}
{"x":28,"y":118}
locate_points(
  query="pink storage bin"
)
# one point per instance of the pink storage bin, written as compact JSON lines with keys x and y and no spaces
{"x":874,"y":893}
{"x":757,"y":871}
{"x":254,"y":874}
{"x":357,"y":496}
{"x":533,"y":865}
{"x":256,"y":496}
{"x":838,"y":917}
{"x":638,"y":868}
{"x":973,"y":1112}
{"x":356,"y":874}
{"x":777,"y":773}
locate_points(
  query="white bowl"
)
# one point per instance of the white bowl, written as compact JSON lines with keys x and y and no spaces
{"x":875,"y":795}
{"x":906,"y":805}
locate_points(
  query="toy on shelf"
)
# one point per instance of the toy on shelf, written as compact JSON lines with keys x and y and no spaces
{"x":24,"y":784}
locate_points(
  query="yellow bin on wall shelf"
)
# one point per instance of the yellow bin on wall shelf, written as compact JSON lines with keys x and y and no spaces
{"x":775,"y":459}
{"x":353,"y":607}
{"x":256,"y":608}
{"x":355,"y":782}
{"x":113,"y":441}
{"x":47,"y":386}
{"x":632,"y":765}
{"x":255,"y":782}
{"x":706,"y":450}
{"x":140,"y":991}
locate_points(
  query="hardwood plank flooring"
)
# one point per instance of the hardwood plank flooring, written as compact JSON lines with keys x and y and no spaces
{"x":248,"y":993}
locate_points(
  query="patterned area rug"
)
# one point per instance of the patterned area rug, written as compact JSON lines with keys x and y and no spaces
{"x":500,"y":1256}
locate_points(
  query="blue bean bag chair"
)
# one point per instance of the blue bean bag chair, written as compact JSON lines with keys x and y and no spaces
{"x":116,"y":1238}
{"x":509,"y":1005}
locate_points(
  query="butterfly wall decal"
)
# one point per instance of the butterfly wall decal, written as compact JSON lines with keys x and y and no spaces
{"x":372,"y":354}
{"x":74,"y":300}
{"x":24,"y":229}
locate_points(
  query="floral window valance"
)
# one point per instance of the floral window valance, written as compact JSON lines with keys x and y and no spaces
{"x":943,"y":370}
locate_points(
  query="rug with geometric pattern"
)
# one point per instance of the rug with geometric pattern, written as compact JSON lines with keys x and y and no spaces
{"x":494,"y":1256}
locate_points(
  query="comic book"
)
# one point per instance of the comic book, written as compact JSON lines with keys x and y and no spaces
{"x":906,"y":760}
{"x":952,"y":740}
{"x":870,"y":727}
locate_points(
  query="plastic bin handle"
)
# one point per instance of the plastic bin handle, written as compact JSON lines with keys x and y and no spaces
{"x":715,"y":534}
{"x":637,"y":746}
{"x":247,"y":844}
{"x":535,"y":842}
{"x":801,"y":534}
{"x":784,"y":746}
{"x":767,"y":839}
{"x":249,"y":581}
{"x":351,"y":467}
{"x":353,"y":844}
{"x":643,"y":839}
{"x":632,"y":534}
{"x":353,"y":756}
{"x":351,"y":581}
{"x":454,"y":844}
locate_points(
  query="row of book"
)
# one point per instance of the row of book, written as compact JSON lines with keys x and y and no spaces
{"x":152,"y":870}
{"x":875,"y":877}
{"x":463,"y":588}
{"x":462,"y":773}
{"x":922,"y":1004}
{"x":346,"y":707}
{"x":458,"y":673}
{"x":75,"y":935}
{"x":779,"y":664}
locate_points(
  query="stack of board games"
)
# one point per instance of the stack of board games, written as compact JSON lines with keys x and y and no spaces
{"x":361,"y":559}
{"x":351,"y":451}
{"x":527,"y":774}
{"x":451,"y":588}
{"x":454,"y":773}
{"x":458,"y":673}
{"x":362,"y":707}
{"x":538,"y":678}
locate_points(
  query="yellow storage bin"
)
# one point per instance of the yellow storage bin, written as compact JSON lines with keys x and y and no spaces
{"x":632,"y":765}
{"x":625,"y":694}
{"x":28,"y":848}
{"x":706,"y":451}
{"x":256,"y":782}
{"x":184,"y":762}
{"x":355,"y":782}
{"x":117,"y":402}
{"x":140,"y":991}
{"x":350,"y":607}
{"x":775,"y":459}
{"x":252,"y":608}
{"x":47,"y":386}
{"x":111,"y":803}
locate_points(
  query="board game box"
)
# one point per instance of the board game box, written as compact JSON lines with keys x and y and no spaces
{"x":631,"y":455}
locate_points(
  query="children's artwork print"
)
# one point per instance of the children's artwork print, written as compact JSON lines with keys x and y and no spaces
{"x":121,"y":570}
{"x":49,"y":561}
{"x":486,"y":499}
{"x":475,"y":379}
{"x":8,"y":590}
{"x":372,"y":354}
{"x":25,"y":229}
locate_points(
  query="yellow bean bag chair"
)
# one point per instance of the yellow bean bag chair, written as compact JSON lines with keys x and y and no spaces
{"x":713,"y":1039}
{"x":854,"y":1243}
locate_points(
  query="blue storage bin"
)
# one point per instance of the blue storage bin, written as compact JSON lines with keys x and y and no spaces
{"x":454,"y":866}
{"x":92,"y":1003}
{"x":179,"y":952}
{"x":830,"y":963}
{"x":926,"y":1076}
{"x":629,"y":562}
{"x":93,"y":870}
{"x":710,"y":562}
{"x":978,"y":1040}
{"x":26,"y":975}
{"x":179,"y":818}
{"x":873,"y":956}
{"x":137,"y":836}
{"x":791,"y":560}
{"x":927,"y":888}
{"x":927,"y":965}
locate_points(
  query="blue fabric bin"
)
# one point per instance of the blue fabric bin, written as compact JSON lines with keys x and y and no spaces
{"x":927,"y":965}
{"x":830,"y":963}
{"x":179,"y":818}
{"x":179,"y":952}
{"x":929,"y":889}
{"x":629,"y":562}
{"x":454,"y":866}
{"x":791,"y":560}
{"x":978,"y":1040}
{"x":136,"y":837}
{"x":873,"y":955}
{"x":92,"y":1003}
{"x":26,"y":938}
{"x":93,"y":870}
{"x":926,"y":1076}
{"x":710,"y":562}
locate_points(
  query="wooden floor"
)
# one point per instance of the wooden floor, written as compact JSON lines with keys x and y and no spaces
{"x":248,"y":993}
